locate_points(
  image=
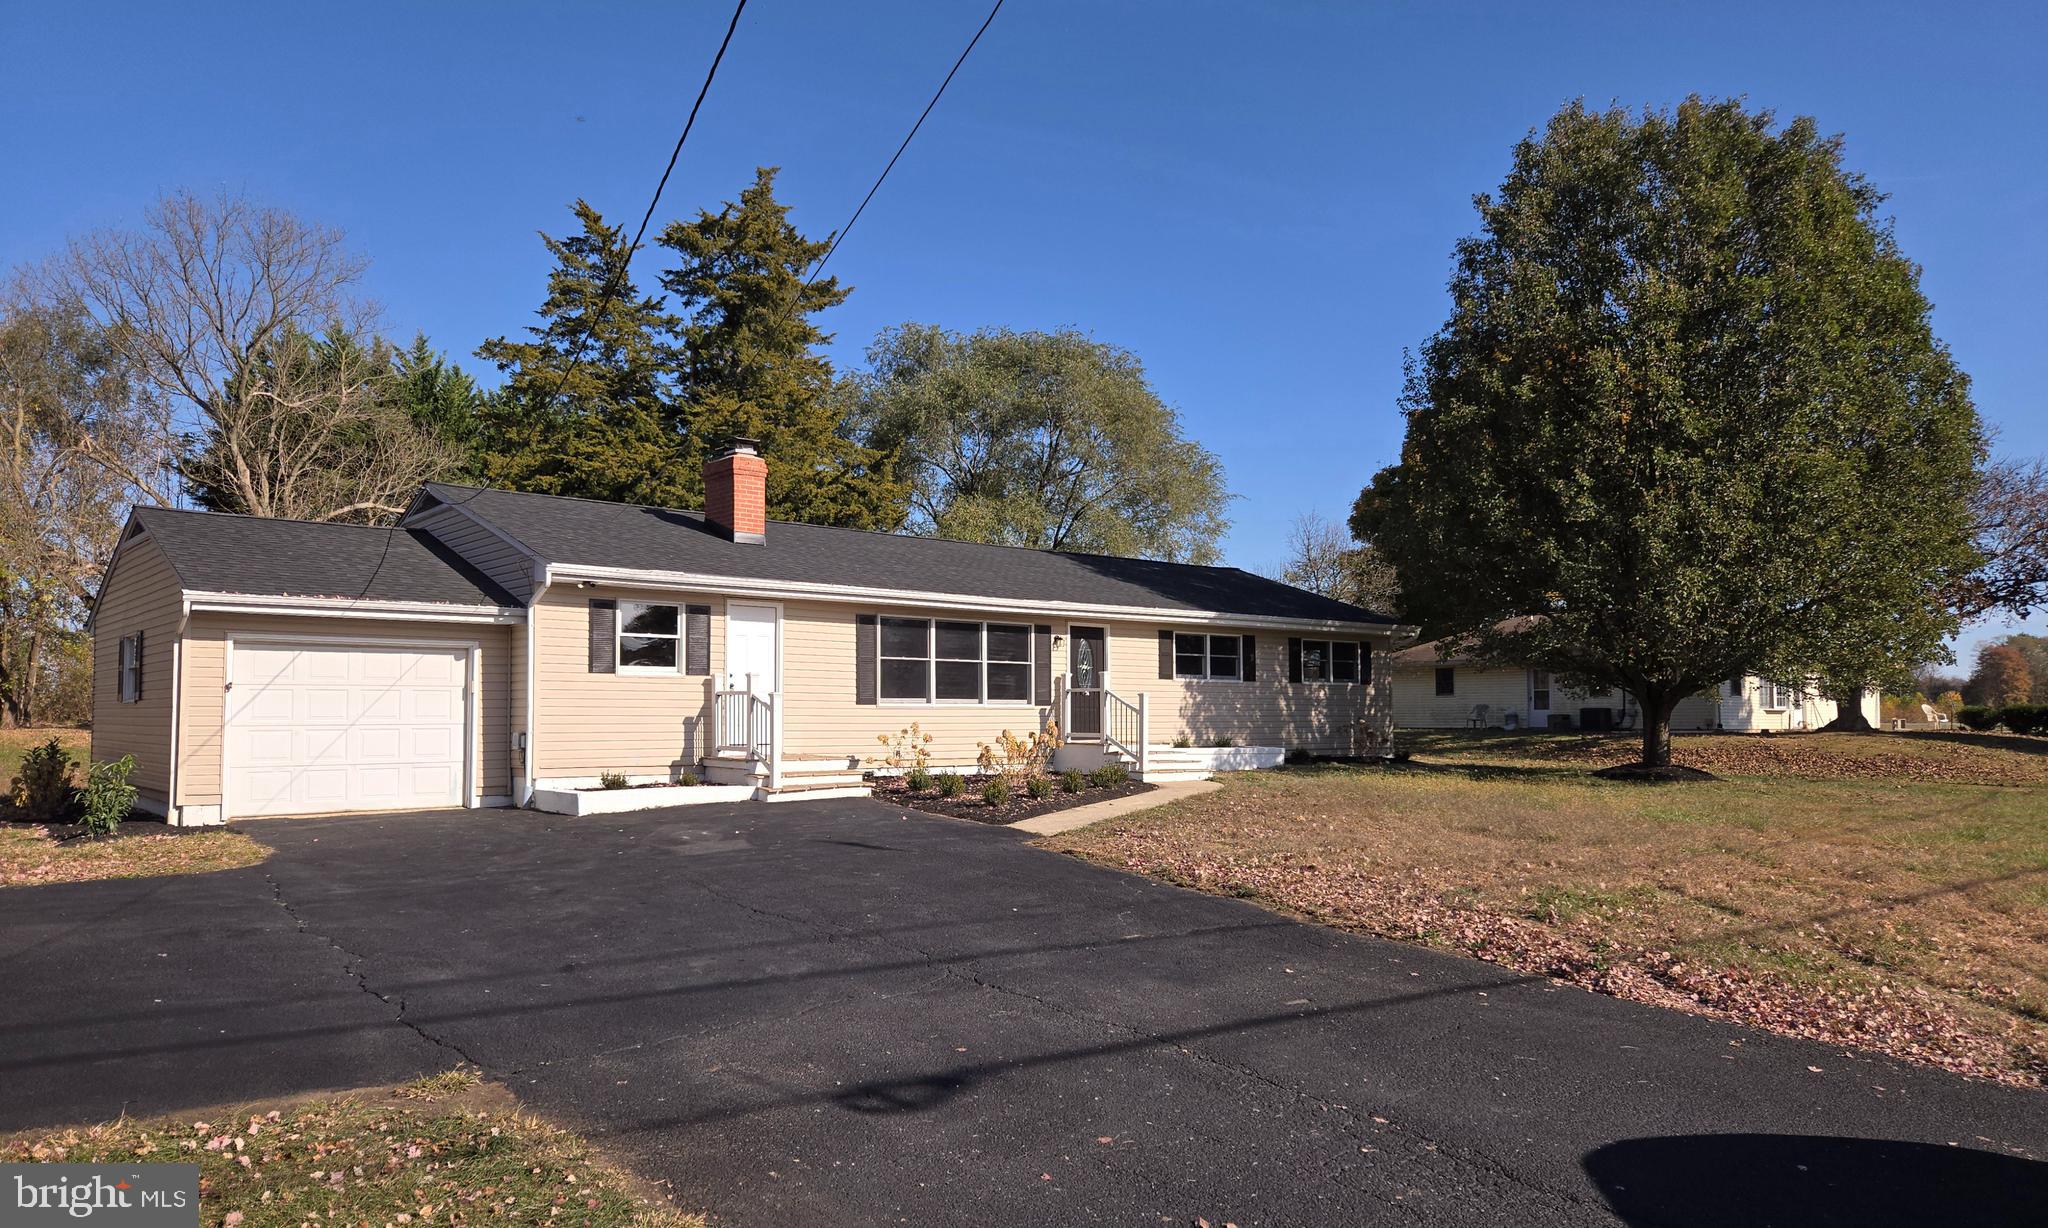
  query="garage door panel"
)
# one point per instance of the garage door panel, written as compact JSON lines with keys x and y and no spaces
{"x":332,"y":727}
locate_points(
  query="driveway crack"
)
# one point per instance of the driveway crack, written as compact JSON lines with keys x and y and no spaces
{"x":352,"y":967}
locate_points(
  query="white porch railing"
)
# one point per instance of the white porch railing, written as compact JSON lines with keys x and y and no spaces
{"x":1125,"y":725}
{"x":749,"y":723}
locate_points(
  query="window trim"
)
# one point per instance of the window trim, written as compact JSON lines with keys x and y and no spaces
{"x":1208,"y":673}
{"x":932,"y":658}
{"x":128,"y":672}
{"x":619,"y":634}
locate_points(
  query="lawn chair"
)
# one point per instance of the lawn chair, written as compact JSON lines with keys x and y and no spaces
{"x":1935,"y":716}
{"x":1478,"y":718}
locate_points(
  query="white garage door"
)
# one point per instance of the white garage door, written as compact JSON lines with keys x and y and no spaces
{"x":317,"y":728}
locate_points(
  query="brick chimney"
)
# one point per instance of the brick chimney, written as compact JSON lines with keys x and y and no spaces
{"x":736,"y":492}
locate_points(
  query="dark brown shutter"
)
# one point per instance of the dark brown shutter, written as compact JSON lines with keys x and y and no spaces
{"x":139,"y":674}
{"x":697,"y":639}
{"x":1041,"y":673}
{"x":1294,"y":658}
{"x":1365,"y":662}
{"x":865,"y":631}
{"x":1166,"y":654}
{"x":604,"y":645}
{"x":1250,"y":656}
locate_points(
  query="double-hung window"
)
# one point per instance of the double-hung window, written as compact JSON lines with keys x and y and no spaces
{"x":1208,"y":656}
{"x":926,"y":660}
{"x":650,"y":637}
{"x":130,"y":676}
{"x":1330,"y":661}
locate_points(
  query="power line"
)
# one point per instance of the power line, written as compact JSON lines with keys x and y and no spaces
{"x":612,"y":283}
{"x":837,"y":239}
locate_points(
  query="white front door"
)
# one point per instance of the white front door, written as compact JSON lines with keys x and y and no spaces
{"x":750,"y":641}
{"x":1539,"y":699}
{"x":314,"y":728}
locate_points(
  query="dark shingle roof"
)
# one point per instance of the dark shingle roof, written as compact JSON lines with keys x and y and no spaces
{"x":595,"y":534}
{"x":218,"y":553}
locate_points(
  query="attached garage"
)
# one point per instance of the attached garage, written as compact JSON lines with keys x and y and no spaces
{"x":317,"y":726}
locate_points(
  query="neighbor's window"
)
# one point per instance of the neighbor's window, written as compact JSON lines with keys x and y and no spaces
{"x":1447,"y":681}
{"x":650,"y":636}
{"x":131,"y":669}
{"x":1208,"y":656}
{"x":1539,"y":690}
{"x":947,"y":661}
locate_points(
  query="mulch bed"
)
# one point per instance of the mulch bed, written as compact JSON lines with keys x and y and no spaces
{"x":967,"y":804}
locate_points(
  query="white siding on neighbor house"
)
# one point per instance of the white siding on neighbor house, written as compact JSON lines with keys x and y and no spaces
{"x":481,"y":548}
{"x":140,"y":593}
{"x":1418,"y":706}
{"x":203,"y":712}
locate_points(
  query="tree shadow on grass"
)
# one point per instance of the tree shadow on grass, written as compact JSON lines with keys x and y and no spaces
{"x":1998,"y":741}
{"x":1693,"y":1181}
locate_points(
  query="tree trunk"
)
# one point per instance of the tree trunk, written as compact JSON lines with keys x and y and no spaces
{"x":1656,"y":727}
{"x":1849,"y":716}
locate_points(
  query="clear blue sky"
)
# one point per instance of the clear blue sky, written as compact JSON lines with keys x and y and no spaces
{"x":1257,"y":199}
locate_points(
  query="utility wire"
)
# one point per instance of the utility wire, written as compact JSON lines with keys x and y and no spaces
{"x":840,"y":237}
{"x":617,"y":279}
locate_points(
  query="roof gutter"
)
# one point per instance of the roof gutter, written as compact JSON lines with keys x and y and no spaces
{"x":743,"y":586}
{"x":349,"y":607}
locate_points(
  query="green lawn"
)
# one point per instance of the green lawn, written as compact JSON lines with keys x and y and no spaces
{"x":14,"y":743}
{"x":444,"y":1150}
{"x":1877,"y":890}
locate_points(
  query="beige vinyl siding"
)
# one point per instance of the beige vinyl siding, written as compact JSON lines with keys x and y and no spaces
{"x":481,"y":548}
{"x":203,"y":713}
{"x":821,"y":718}
{"x":141,"y":594}
{"x":1418,"y":706}
{"x":638,"y":724}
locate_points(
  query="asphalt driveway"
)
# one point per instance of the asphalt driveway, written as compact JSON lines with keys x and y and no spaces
{"x":837,"y":1012}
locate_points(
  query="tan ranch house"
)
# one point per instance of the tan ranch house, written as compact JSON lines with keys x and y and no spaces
{"x":496,"y":648}
{"x":1435,"y":689}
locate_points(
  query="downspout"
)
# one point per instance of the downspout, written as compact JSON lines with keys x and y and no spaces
{"x":542,"y":578}
{"x":174,"y":816}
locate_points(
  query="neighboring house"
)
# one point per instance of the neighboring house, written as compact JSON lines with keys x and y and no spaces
{"x":496,"y":644}
{"x":1435,"y":690}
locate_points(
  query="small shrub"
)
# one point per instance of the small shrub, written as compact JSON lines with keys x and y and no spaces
{"x":1978,"y":717}
{"x":1073,"y":782}
{"x":909,"y":747}
{"x":1224,"y":743}
{"x":918,"y":780}
{"x":688,"y":780}
{"x":2024,"y":718}
{"x":1300,"y":755}
{"x":950,"y":784}
{"x":996,"y":791}
{"x":107,"y":796}
{"x":1039,"y":787}
{"x":612,"y":780}
{"x":1109,"y":776}
{"x":42,"y":792}
{"x":1183,"y":742}
{"x":1015,"y":758}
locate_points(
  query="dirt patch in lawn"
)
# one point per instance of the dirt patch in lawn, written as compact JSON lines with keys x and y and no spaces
{"x":445,"y":1150}
{"x":32,"y":854}
{"x":968,"y":803}
{"x":1907,"y":917}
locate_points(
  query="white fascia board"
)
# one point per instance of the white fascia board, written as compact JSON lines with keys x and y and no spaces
{"x":348,"y":607}
{"x":746,"y":587}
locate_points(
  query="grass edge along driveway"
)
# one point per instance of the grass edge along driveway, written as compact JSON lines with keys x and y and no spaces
{"x":1849,"y":890}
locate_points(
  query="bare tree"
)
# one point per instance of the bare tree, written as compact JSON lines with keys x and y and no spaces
{"x":250,"y":345}
{"x":2011,"y":514}
{"x":63,"y":393}
{"x":1323,"y":558}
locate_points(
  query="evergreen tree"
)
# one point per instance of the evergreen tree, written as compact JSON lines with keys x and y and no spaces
{"x":746,"y":363}
{"x":585,"y":406}
{"x":437,"y":395}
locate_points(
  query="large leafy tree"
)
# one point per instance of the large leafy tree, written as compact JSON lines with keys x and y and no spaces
{"x":1053,"y":440}
{"x":1686,"y":373}
{"x":2003,"y":676}
{"x":747,"y":363}
{"x":584,"y":410}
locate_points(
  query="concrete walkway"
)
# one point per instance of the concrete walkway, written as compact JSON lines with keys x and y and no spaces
{"x":1116,"y":807}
